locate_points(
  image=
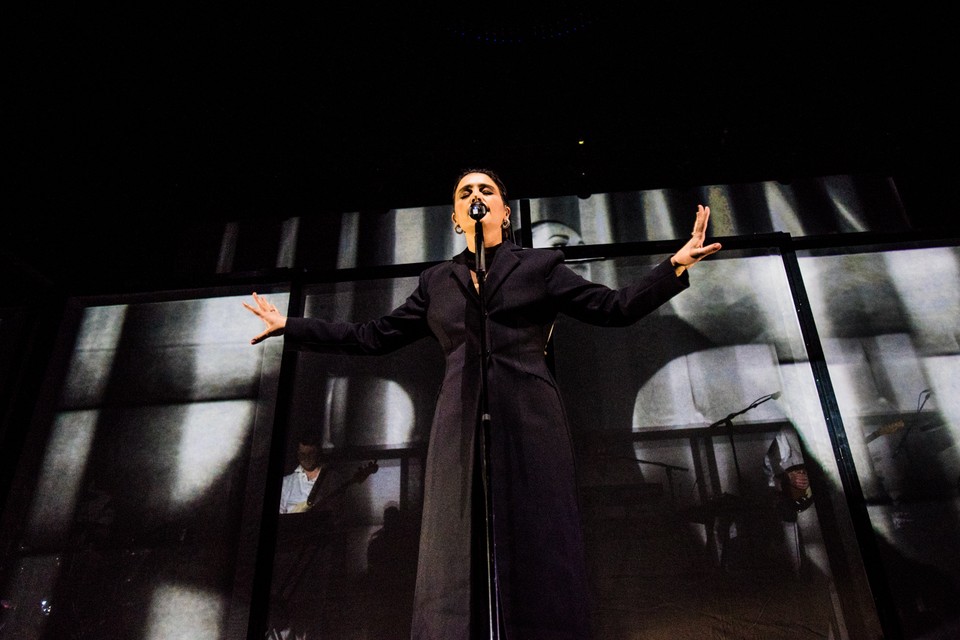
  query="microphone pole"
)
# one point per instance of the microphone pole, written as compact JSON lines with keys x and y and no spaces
{"x":477,"y":211}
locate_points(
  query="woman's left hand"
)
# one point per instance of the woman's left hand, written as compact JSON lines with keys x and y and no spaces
{"x":694,"y":250}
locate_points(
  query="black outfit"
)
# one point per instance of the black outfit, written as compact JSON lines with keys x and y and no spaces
{"x":538,"y":537}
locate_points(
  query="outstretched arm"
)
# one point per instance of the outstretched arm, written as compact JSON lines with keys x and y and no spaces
{"x":694,"y":251}
{"x":275,"y":322}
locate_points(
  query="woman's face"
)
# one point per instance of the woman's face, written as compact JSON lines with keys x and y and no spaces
{"x":553,"y":235}
{"x":479,"y":187}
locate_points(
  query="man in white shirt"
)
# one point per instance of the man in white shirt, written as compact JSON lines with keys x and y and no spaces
{"x":303,"y":556}
{"x":295,"y":494}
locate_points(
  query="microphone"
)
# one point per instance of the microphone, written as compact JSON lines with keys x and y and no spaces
{"x":728,"y":421}
{"x":477,"y":210}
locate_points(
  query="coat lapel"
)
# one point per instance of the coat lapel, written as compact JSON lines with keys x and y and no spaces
{"x":507,"y":260}
{"x":461,"y":271}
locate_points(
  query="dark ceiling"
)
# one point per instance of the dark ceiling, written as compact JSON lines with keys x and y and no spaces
{"x":120,"y":116}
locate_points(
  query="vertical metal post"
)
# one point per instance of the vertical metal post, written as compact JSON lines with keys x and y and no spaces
{"x":850,"y":481}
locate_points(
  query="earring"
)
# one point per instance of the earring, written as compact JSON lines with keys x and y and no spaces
{"x":506,"y":223}
{"x":458,"y":228}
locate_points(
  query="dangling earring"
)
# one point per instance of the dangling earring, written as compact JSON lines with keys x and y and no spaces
{"x":506,"y":223}
{"x":458,"y":228}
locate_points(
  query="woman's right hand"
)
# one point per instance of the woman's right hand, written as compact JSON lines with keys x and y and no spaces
{"x":274,"y":321}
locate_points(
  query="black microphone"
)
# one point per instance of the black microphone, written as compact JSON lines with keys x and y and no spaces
{"x":477,"y":210}
{"x":774,"y":395}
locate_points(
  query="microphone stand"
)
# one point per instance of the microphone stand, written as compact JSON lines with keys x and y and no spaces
{"x":493,"y":590}
{"x":728,"y":422}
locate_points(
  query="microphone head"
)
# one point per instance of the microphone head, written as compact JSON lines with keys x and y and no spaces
{"x":477,"y":210}
{"x":775,"y":395}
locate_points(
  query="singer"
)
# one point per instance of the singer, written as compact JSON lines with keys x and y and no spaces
{"x":541,"y":571}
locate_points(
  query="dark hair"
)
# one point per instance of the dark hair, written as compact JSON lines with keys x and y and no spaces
{"x":311,"y":438}
{"x":487,"y":172}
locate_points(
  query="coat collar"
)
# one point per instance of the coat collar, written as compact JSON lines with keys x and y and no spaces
{"x":497,"y":272}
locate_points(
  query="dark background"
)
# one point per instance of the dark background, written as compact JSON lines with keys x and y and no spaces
{"x":128,"y":129}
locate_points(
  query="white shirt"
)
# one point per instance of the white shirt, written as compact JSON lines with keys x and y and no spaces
{"x":296,"y":489}
{"x":784,"y":452}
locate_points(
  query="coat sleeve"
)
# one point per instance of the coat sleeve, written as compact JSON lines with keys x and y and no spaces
{"x":598,"y":304}
{"x":402,"y":326}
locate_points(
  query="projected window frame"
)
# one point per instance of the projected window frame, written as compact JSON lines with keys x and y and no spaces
{"x":368,"y":413}
{"x":889,"y":319}
{"x":142,"y":479}
{"x":740,"y":309}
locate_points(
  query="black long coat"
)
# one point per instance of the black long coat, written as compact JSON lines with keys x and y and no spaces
{"x":538,"y":537}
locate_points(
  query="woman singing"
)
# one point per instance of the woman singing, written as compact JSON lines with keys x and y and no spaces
{"x":539,"y":552}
